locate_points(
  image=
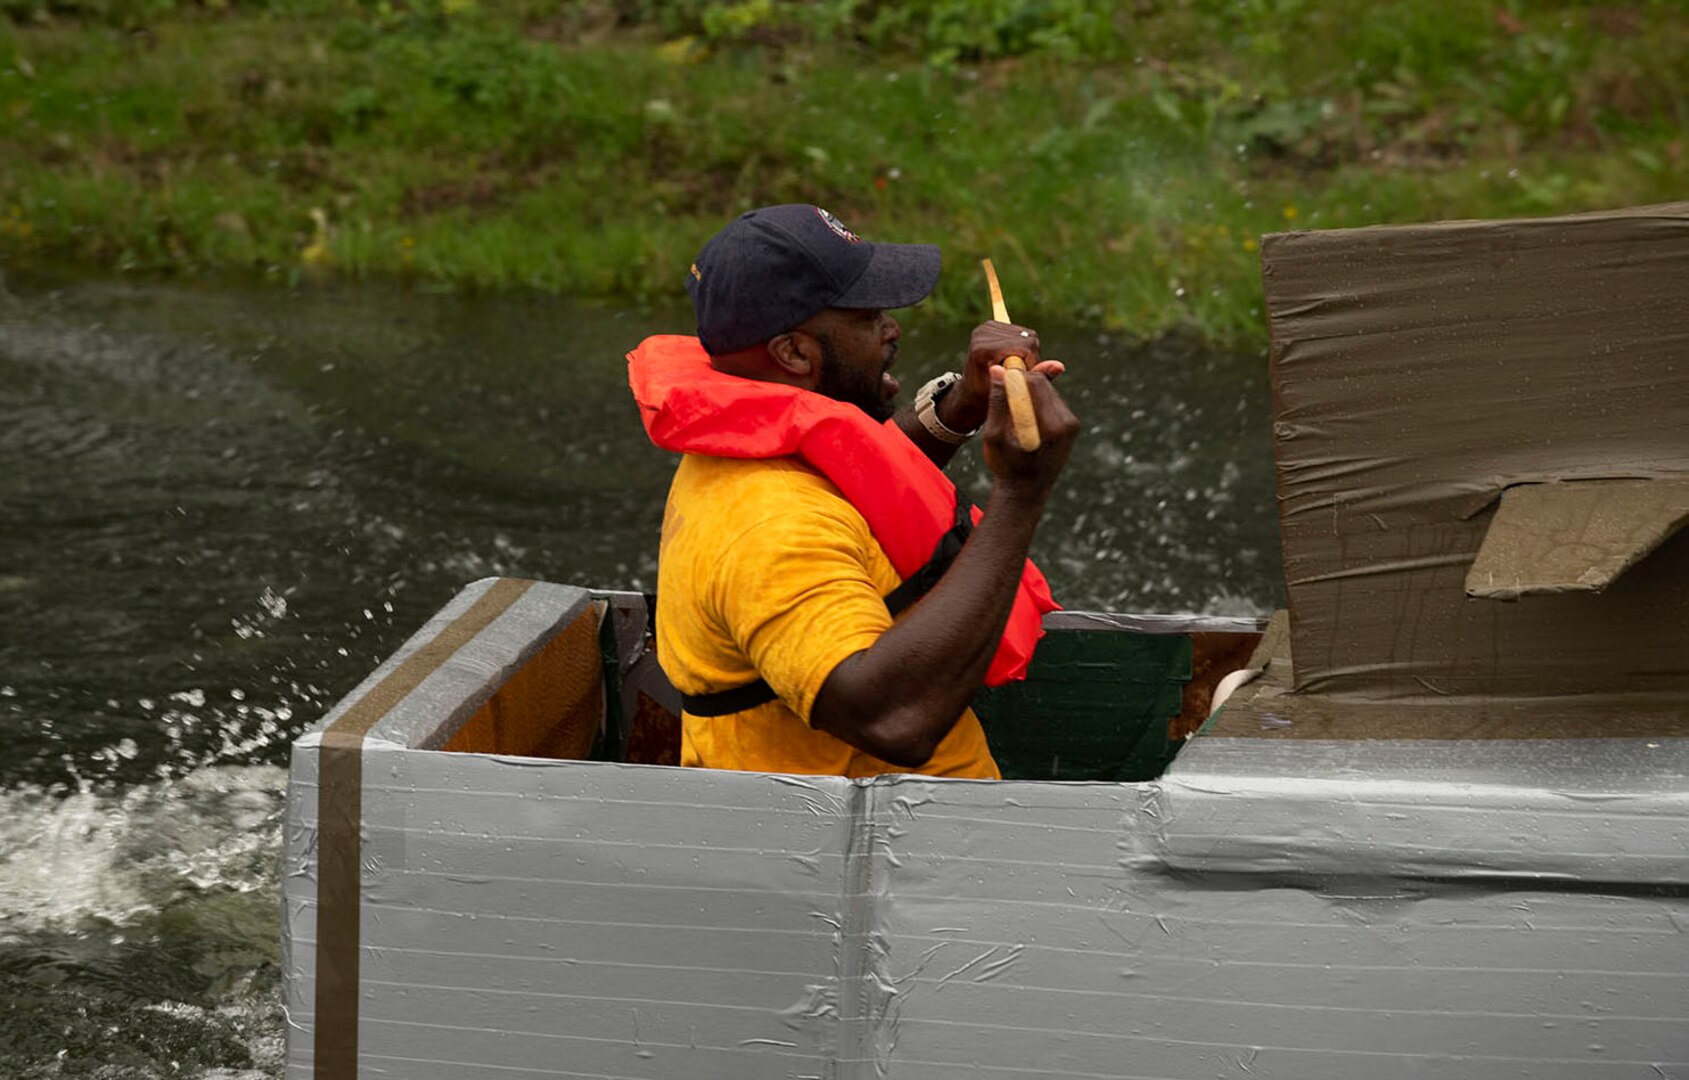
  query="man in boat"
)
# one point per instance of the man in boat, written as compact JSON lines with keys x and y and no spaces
{"x":809,"y":513}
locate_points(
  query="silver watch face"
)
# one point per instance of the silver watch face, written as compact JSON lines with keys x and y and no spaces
{"x":941,"y":386}
{"x":931,"y":391}
{"x":926,"y":408}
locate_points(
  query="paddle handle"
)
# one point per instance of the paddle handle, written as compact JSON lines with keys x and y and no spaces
{"x":1014,"y":373}
{"x":1020,"y":403}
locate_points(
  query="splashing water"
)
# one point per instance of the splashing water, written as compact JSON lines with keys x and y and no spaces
{"x":117,"y":857}
{"x":139,"y":927}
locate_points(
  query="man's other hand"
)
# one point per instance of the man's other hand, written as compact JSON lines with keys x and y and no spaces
{"x":1029,"y":474}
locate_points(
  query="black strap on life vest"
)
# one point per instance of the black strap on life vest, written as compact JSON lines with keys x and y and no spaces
{"x":915,"y":586}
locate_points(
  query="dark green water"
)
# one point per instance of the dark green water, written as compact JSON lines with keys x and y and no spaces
{"x":220,"y":507}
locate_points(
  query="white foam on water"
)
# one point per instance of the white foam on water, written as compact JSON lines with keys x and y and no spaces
{"x":115,"y":856}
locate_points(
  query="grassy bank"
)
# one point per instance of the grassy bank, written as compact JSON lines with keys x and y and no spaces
{"x":1120,"y":167}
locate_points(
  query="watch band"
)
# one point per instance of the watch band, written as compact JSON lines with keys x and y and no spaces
{"x":926,"y":410}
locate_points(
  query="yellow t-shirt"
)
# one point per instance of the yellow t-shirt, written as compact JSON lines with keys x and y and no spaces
{"x":767,"y":571}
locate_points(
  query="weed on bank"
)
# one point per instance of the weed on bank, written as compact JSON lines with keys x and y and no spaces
{"x":1120,"y":162}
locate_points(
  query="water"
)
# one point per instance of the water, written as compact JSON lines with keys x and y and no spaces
{"x":222,"y":506}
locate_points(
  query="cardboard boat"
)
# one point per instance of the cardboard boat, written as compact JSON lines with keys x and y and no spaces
{"x":1445,"y":832}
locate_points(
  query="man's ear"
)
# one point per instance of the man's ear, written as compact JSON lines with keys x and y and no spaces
{"x":795,"y":352}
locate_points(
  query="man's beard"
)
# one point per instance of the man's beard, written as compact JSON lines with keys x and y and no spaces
{"x":851,"y":385}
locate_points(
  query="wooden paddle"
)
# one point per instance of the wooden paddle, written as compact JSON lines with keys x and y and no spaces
{"x":1014,"y":373}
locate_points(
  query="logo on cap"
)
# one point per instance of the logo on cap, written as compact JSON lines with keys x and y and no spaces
{"x":838,"y":227}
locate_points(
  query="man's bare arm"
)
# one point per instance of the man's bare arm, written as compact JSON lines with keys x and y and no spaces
{"x":899,"y":698}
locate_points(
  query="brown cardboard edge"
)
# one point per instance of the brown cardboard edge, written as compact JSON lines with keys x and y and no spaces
{"x":1269,"y":708}
{"x":1510,"y":563}
{"x":1309,"y":717}
{"x":1299,"y":237}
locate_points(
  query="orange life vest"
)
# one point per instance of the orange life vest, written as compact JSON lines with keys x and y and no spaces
{"x":910,"y":505}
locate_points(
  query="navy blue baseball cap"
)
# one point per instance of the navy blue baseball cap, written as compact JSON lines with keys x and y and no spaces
{"x":770,"y":269}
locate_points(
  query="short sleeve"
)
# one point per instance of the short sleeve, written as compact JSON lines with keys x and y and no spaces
{"x":796,"y":595}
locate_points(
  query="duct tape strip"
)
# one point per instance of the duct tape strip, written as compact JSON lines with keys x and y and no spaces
{"x":340,"y":816}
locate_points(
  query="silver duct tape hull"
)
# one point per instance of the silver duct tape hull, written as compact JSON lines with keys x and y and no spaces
{"x":527,"y":918}
{"x":577,"y":919}
{"x":1581,"y":811}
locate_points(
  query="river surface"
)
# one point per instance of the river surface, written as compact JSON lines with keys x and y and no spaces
{"x":221,"y":506}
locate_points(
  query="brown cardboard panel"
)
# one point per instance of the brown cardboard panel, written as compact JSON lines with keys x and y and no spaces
{"x":1578,"y":537}
{"x":551,"y":707}
{"x":1421,"y":371}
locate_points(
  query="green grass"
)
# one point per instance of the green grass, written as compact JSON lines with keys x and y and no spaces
{"x":1120,"y":170}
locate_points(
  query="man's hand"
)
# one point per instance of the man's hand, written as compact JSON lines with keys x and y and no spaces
{"x":965,"y":407}
{"x":1029,"y":475}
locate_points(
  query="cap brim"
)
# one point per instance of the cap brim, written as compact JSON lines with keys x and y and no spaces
{"x":897,"y":275}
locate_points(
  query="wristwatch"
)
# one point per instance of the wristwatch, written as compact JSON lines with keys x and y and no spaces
{"x":926,"y":409}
